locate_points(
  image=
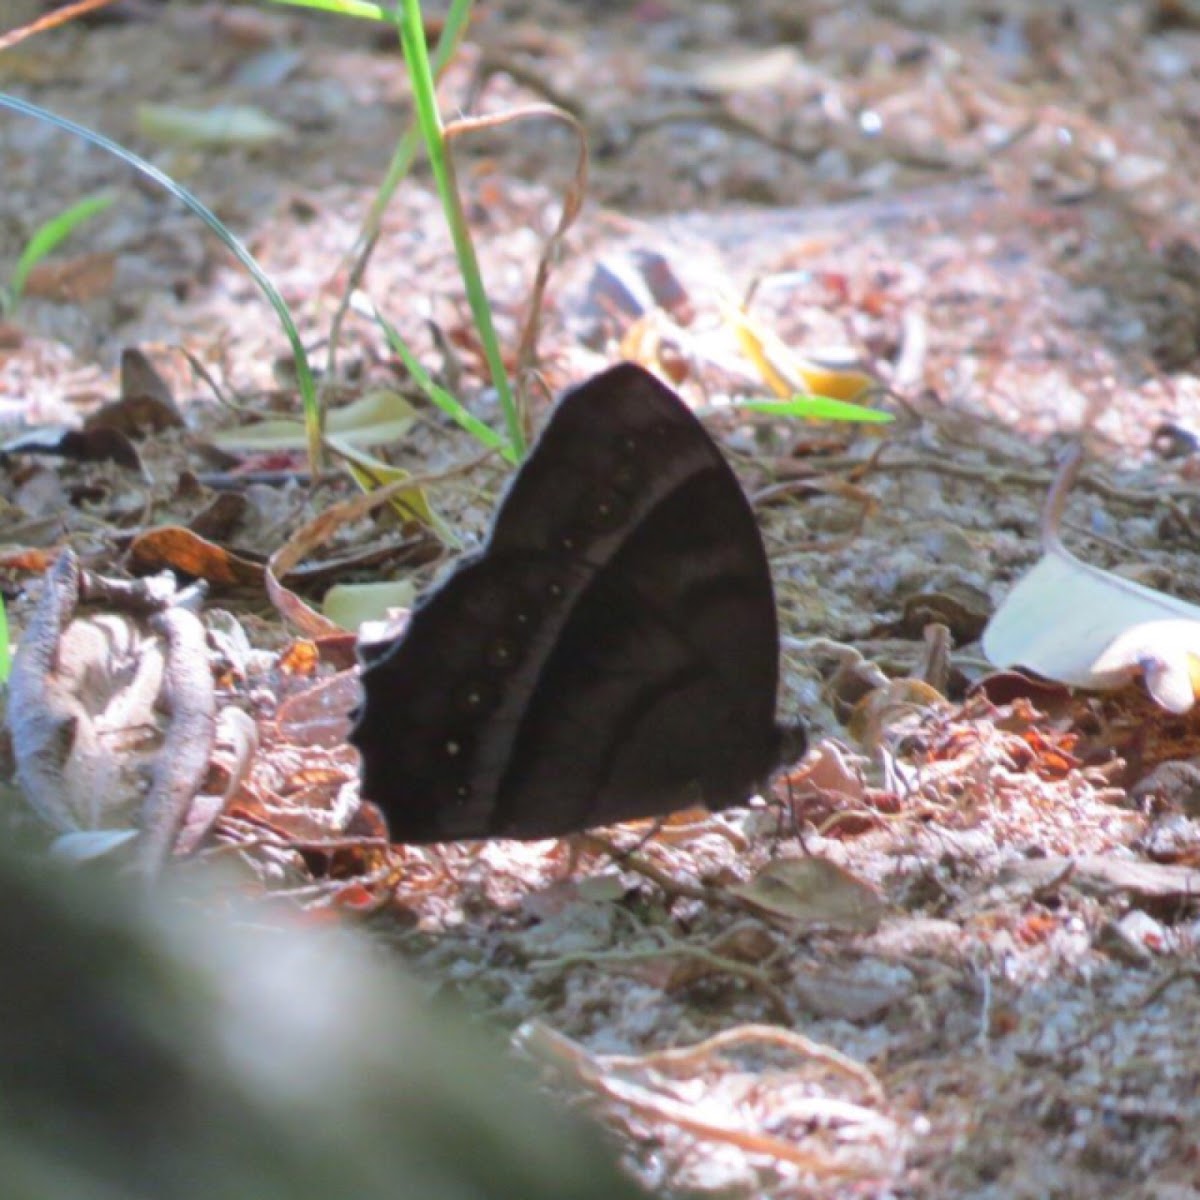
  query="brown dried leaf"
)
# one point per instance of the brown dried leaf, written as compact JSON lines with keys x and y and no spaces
{"x":145,"y":404}
{"x":182,"y":550}
{"x":79,"y":445}
{"x":303,"y":542}
{"x":1143,"y":883}
{"x":235,"y":743}
{"x":74,"y":280}
{"x":814,"y":893}
{"x":320,"y":715}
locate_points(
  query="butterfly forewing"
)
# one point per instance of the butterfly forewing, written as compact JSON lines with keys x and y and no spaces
{"x":611,"y":653}
{"x":656,"y":694}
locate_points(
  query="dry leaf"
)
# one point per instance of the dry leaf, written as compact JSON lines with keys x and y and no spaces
{"x":1079,"y":625}
{"x":320,"y":715}
{"x":79,"y":445}
{"x":1141,"y":883}
{"x":350,"y":604}
{"x":897,"y":702}
{"x":785,"y":372}
{"x":217,"y":125}
{"x":74,"y":280}
{"x":182,"y":550}
{"x":380,"y":417}
{"x":730,"y":74}
{"x":145,"y":405}
{"x":814,"y":892}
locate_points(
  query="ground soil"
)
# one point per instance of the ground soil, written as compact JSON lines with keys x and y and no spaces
{"x":991,"y":208}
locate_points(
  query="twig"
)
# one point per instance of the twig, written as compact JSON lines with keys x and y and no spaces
{"x":719,"y":963}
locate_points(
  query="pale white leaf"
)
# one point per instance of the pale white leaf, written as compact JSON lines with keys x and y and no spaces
{"x":1077,"y":624}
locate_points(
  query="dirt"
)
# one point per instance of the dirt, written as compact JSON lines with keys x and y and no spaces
{"x":993,"y":210}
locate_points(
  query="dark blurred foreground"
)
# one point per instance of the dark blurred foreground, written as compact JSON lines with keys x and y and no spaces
{"x":160,"y":1049}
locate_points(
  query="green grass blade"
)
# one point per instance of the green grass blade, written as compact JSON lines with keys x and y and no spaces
{"x":48,"y":237}
{"x":412,"y":39}
{"x":818,"y":408}
{"x":5,"y":648}
{"x":344,"y":8}
{"x":304,"y":376}
{"x":438,"y":395}
{"x":453,"y":29}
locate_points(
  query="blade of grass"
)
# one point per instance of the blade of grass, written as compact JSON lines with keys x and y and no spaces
{"x":49,"y":236}
{"x":304,"y":376}
{"x":412,"y":39}
{"x":572,"y":204}
{"x":355,"y":262}
{"x":438,"y":395}
{"x":818,"y":408}
{"x":5,"y":648}
{"x":344,"y":8}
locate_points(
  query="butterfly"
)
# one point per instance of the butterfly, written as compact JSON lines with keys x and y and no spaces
{"x":611,"y":653}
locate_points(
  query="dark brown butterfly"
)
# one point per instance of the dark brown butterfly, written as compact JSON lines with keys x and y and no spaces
{"x":611,"y":653}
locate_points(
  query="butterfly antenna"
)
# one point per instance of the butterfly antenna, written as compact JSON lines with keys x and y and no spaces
{"x":623,"y":856}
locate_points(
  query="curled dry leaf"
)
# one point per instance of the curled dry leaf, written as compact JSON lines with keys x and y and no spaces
{"x":112,"y":715}
{"x":178,"y":768}
{"x":303,"y":542}
{"x":145,"y":405}
{"x":814,"y":893}
{"x":184,"y":550}
{"x":785,"y":372}
{"x":78,"y":445}
{"x":830,"y":791}
{"x":234,"y":745}
{"x":1079,"y":625}
{"x":886,"y":712}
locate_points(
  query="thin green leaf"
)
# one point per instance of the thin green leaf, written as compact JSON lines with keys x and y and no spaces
{"x":5,"y":648}
{"x":304,"y":376}
{"x":344,"y":8}
{"x":454,"y":28}
{"x":350,"y":604}
{"x":211,"y":126}
{"x":411,"y":28}
{"x":450,"y":405}
{"x":818,"y":408}
{"x":53,"y":233}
